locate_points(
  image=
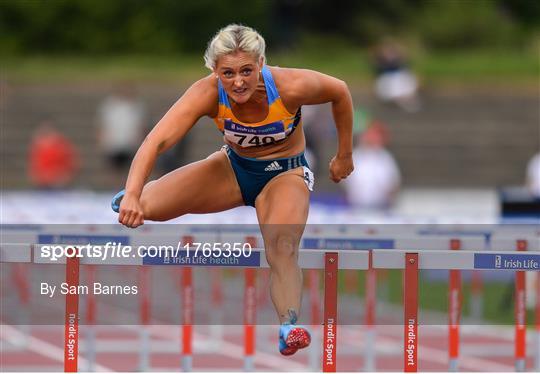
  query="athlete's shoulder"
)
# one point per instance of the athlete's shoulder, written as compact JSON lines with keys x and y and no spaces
{"x":291,"y":83}
{"x":285,"y":78}
{"x":204,"y":94}
{"x":207,"y":85}
{"x":299,"y":87}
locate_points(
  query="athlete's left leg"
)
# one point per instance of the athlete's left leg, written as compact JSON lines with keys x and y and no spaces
{"x":282,"y":210}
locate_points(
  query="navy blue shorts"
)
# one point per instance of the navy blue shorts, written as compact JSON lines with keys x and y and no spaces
{"x":253,"y":174}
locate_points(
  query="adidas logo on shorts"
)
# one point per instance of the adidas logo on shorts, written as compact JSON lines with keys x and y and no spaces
{"x":274,"y":166}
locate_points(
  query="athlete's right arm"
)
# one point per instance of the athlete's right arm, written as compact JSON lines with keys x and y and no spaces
{"x":199,"y":100}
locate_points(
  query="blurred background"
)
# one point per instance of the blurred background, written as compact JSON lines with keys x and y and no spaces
{"x":445,"y":92}
{"x":446,"y":96}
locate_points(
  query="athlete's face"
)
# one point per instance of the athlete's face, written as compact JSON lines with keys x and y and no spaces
{"x":239,"y":74}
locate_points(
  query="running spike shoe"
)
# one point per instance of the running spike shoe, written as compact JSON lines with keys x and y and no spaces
{"x":292,"y":338}
{"x":117,"y":199}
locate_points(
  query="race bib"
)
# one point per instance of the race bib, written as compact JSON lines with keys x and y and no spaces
{"x":254,"y":136}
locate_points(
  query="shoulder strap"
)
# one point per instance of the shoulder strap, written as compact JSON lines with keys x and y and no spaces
{"x":271,"y":89}
{"x":223,"y":99}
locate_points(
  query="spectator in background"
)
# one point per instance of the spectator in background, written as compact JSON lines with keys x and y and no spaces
{"x":395,"y":83}
{"x":53,"y":160}
{"x":533,"y":176}
{"x":312,"y":131}
{"x":320,"y":134}
{"x":520,"y":202}
{"x":376,"y":180}
{"x":122,"y":121}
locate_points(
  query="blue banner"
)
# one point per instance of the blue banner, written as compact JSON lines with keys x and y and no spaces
{"x":181,"y":257}
{"x":336,"y":243}
{"x":501,"y":261}
{"x":270,"y":128}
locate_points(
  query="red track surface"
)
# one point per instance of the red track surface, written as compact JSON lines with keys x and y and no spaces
{"x":226,"y":354}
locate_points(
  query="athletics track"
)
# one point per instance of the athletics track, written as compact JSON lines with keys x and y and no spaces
{"x":118,"y":348}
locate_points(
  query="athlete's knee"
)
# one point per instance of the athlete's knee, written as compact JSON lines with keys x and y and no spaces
{"x":284,"y":247}
{"x":148,"y":204}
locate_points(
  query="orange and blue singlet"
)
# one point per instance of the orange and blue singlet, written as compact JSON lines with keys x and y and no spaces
{"x":278,"y":124}
{"x":253,"y":174}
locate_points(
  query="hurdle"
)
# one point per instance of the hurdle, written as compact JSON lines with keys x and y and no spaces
{"x":455,"y":244}
{"x":310,"y":259}
{"x":330,"y":323}
{"x":250,"y":302}
{"x":186,"y":279}
{"x":412,"y":261}
{"x":521,"y":244}
{"x":147,"y":236}
{"x":512,"y":231}
{"x":390,"y":241}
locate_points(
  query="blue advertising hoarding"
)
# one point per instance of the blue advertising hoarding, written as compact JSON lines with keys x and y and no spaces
{"x":337,"y":243}
{"x":503,"y":261}
{"x":181,"y":257}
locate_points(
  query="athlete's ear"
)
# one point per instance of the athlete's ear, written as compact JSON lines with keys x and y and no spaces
{"x":261,"y":62}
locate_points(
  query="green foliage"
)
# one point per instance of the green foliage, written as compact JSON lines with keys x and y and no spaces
{"x":477,"y":67}
{"x":182,"y":26}
{"x":498,"y":304}
{"x":466,"y":24}
{"x":89,"y":26}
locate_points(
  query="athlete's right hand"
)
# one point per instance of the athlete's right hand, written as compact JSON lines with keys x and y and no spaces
{"x":131,"y":213}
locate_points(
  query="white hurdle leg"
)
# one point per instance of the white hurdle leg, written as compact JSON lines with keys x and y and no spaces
{"x":371,"y":305}
{"x":216,"y":329}
{"x":21,"y":278}
{"x":144,"y":357}
{"x":314,"y":300}
{"x":476,"y":297}
{"x":91,"y":320}
{"x":91,"y":348}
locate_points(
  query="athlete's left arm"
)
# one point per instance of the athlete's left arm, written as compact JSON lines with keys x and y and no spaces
{"x":308,"y":87}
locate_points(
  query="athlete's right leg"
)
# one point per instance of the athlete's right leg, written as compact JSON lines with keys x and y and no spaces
{"x":204,"y":186}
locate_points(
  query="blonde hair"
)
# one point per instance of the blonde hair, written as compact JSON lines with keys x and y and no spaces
{"x":234,"y":38}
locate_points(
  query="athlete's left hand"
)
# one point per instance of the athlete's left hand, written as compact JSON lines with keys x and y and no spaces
{"x":340,"y":167}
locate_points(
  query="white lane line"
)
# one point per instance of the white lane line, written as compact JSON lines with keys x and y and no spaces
{"x":439,"y":356}
{"x":223,"y":347}
{"x":236,"y":351}
{"x":41,"y":347}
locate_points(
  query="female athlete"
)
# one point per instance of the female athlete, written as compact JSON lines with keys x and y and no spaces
{"x":257,"y":109}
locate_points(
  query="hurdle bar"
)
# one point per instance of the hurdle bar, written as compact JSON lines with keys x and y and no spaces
{"x":424,"y":241}
{"x":362,"y":243}
{"x":308,"y":259}
{"x":503,"y":238}
{"x":411,"y":261}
